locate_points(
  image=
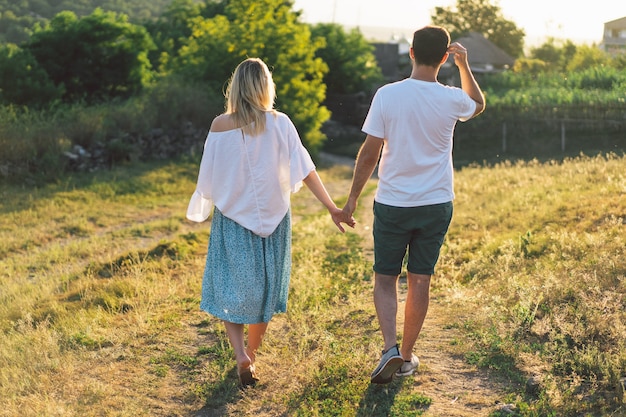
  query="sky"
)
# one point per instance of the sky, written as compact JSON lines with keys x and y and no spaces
{"x":581,"y":23}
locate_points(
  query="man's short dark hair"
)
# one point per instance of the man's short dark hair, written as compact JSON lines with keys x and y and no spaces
{"x":430,"y":44}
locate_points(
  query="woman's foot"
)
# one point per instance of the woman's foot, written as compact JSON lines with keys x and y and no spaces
{"x":247,"y":376}
{"x":252,"y":355}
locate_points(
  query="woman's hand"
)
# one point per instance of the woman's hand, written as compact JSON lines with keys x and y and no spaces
{"x":339,"y":216}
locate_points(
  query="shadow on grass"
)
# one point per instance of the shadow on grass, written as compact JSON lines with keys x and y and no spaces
{"x":378,"y":400}
{"x":218,"y":394}
{"x":129,"y":179}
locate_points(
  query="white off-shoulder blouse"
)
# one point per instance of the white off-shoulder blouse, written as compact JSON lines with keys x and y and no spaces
{"x":250,"y":178}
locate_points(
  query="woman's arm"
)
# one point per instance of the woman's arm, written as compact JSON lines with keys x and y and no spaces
{"x":314,"y":183}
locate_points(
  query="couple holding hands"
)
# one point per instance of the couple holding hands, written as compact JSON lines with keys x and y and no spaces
{"x":254,"y":159}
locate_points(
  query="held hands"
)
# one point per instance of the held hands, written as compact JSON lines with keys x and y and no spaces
{"x":340,"y":216}
{"x":344,"y":216}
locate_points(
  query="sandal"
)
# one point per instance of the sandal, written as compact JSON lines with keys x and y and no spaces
{"x":247,"y":377}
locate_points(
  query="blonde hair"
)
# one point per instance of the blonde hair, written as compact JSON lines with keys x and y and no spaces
{"x":250,"y":94}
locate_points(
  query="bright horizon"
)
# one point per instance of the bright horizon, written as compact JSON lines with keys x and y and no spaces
{"x":540,"y":19}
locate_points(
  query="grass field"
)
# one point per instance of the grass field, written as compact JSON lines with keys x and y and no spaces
{"x":100,"y":281}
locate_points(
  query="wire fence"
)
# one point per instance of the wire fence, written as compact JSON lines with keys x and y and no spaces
{"x":544,"y":132}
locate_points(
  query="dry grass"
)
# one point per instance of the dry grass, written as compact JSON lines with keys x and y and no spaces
{"x":540,"y":252}
{"x":100,"y":284}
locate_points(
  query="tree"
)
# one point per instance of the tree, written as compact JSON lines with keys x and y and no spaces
{"x":47,"y":9}
{"x":97,"y":57}
{"x":554,"y":53}
{"x":350,"y":59}
{"x":171,"y":29}
{"x":483,"y":17}
{"x":588,"y":57}
{"x":529,"y":66}
{"x":14,"y":29}
{"x":23,"y":81}
{"x":270,"y":30}
{"x":619,"y":62}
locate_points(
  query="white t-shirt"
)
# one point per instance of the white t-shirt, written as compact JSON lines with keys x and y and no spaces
{"x":416,"y":119}
{"x":250,"y":178}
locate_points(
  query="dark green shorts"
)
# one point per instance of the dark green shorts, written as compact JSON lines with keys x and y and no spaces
{"x":421,"y":230}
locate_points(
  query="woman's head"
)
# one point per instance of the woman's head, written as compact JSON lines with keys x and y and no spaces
{"x":250,"y":93}
{"x":430,"y":45}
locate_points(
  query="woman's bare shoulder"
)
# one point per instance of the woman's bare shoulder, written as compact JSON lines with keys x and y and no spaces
{"x":223,"y":123}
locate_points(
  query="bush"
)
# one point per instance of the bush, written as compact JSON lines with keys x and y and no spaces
{"x":33,"y":142}
{"x":23,"y":82}
{"x":269,"y":30}
{"x":100,"y":56}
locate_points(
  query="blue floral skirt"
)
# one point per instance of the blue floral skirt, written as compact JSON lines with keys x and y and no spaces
{"x":246,"y":277}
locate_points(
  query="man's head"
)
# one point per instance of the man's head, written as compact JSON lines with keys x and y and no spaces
{"x":430,"y":45}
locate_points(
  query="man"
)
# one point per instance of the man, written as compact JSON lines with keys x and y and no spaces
{"x":412,"y":121}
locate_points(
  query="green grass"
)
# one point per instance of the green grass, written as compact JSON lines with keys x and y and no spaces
{"x":100,"y":283}
{"x":543,"y":248}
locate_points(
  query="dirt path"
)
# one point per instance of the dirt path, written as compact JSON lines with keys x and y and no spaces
{"x":457,"y":388}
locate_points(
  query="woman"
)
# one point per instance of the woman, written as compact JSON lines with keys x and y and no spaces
{"x":253,"y":160}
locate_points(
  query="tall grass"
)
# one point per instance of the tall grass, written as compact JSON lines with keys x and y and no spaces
{"x":100,"y":283}
{"x":543,"y":249}
{"x":32,"y":142}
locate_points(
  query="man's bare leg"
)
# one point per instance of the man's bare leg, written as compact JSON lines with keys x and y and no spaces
{"x":415,"y":309}
{"x":386,"y":303}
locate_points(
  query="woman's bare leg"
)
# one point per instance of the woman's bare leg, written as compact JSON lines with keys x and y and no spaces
{"x":255,"y":338}
{"x":236,"y":337}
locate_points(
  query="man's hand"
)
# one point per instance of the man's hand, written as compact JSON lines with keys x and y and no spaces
{"x":349,"y":208}
{"x":468,"y":82}
{"x":459,"y":53}
{"x":340,"y":216}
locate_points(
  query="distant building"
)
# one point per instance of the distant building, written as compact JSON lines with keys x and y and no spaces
{"x":614,"y":38}
{"x":483,"y":56}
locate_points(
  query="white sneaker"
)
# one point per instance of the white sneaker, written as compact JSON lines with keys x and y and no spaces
{"x":408,"y":367}
{"x":390,"y":362}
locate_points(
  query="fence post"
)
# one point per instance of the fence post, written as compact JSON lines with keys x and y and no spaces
{"x":504,"y":137}
{"x":562,"y":135}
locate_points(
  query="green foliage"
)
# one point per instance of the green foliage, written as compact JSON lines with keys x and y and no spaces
{"x":619,"y":62}
{"x":598,"y":78}
{"x":23,"y":82}
{"x":350,"y":59}
{"x":547,"y":114}
{"x":270,"y":30}
{"x":97,"y":57}
{"x":17,"y":18}
{"x":15,"y":28}
{"x":38,"y":10}
{"x":565,"y":57}
{"x":599,"y":85}
{"x":492,"y":351}
{"x":529,"y":66}
{"x":171,"y":29}
{"x":555,"y":54}
{"x":484,"y":17}
{"x":587,"y":57}
{"x":32,"y":141}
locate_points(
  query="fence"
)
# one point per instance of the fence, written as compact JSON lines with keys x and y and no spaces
{"x":512,"y":132}
{"x":541,"y":132}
